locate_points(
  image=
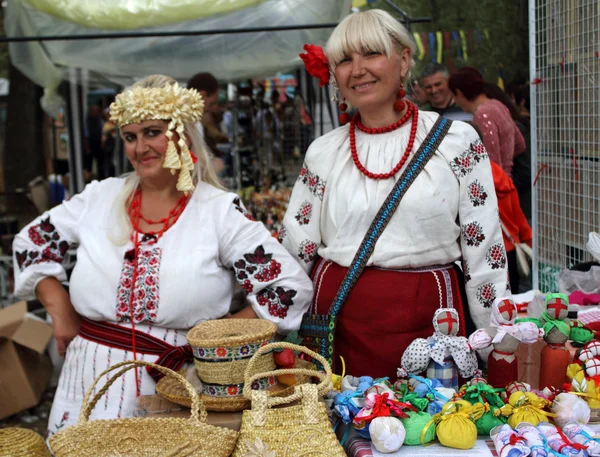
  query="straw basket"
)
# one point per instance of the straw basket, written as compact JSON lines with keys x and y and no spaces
{"x":173,"y":391}
{"x":302,"y":429}
{"x":141,"y":437}
{"x":21,"y":442}
{"x":594,"y":416}
{"x":223,"y":347}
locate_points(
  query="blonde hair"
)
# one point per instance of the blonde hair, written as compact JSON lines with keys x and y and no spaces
{"x":203,"y":169}
{"x":373,"y":30}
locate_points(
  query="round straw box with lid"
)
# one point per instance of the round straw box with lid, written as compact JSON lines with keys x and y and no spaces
{"x":222,"y":349}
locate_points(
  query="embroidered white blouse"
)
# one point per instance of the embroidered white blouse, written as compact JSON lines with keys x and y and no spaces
{"x":186,"y":277}
{"x":449,"y":214}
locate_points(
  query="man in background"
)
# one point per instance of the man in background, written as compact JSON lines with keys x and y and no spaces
{"x":434,"y":81}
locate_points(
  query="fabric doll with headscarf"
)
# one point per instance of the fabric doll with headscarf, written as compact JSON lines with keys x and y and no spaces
{"x":557,"y":330}
{"x":444,"y":354}
{"x":505,"y":336}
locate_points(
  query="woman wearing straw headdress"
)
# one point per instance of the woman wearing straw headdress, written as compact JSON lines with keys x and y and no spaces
{"x":447,"y":210}
{"x":158,"y":252}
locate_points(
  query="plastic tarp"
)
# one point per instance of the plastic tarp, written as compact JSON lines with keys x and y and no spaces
{"x":135,"y":14}
{"x":229,"y":57}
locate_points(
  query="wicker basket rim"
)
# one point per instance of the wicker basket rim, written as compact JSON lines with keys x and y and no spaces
{"x":231,"y":332}
{"x":18,"y":441}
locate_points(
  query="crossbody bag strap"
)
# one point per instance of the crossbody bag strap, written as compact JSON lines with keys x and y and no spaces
{"x":410,"y":173}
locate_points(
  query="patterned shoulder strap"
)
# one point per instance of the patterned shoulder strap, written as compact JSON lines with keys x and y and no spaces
{"x":415,"y":166}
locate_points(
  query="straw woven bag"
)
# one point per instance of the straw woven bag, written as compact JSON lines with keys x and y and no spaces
{"x":290,"y":431}
{"x":141,"y":437}
{"x":21,"y":442}
{"x":223,"y":347}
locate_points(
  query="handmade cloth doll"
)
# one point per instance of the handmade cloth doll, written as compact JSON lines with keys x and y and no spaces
{"x":524,"y":407}
{"x":508,"y":442}
{"x":570,"y":408}
{"x":416,"y":421}
{"x":582,"y":434}
{"x":387,"y":434}
{"x":505,"y":336}
{"x":432,"y":390}
{"x":536,"y":442}
{"x":455,"y":424}
{"x":384,"y":405}
{"x":584,"y":379}
{"x":559,"y":442}
{"x":555,"y":356}
{"x":444,"y":354}
{"x":482,"y":392}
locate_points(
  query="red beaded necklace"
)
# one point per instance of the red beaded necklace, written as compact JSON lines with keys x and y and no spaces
{"x":355,"y":122}
{"x":135,"y":215}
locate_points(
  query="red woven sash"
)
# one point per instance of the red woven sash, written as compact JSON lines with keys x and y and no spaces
{"x":118,"y":337}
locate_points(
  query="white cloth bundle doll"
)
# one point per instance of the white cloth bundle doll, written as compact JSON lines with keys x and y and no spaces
{"x":509,"y":443}
{"x":559,"y":442}
{"x":536,"y":442}
{"x":582,"y":434}
{"x":570,"y":408}
{"x":443,"y":354}
{"x":505,"y":336}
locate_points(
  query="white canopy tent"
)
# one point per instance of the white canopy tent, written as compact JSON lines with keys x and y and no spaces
{"x":229,"y":56}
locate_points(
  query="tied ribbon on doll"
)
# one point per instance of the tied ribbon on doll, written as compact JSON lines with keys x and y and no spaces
{"x":525,"y":405}
{"x":337,"y":379}
{"x":430,"y":387}
{"x":484,"y":393}
{"x":568,"y":442}
{"x":589,"y":438}
{"x":454,"y":409}
{"x":514,"y":439}
{"x":551,"y":323}
{"x":385,"y":407}
{"x":411,"y":397}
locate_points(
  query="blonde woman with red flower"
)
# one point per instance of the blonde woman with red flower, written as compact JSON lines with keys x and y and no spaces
{"x":421,"y":187}
{"x":158,"y":252}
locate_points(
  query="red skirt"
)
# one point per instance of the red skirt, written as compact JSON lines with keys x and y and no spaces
{"x":385,"y":312}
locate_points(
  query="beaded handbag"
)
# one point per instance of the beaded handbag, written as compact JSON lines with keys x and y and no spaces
{"x":138,"y":436}
{"x":294,"y":429}
{"x":318,"y":330}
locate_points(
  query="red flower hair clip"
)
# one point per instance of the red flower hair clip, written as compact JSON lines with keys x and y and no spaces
{"x":316,"y":63}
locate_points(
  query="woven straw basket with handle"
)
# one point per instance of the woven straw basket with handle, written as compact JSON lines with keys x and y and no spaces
{"x":141,"y":437}
{"x":291,"y":430}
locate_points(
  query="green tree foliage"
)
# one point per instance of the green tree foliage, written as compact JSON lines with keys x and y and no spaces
{"x":504,"y":20}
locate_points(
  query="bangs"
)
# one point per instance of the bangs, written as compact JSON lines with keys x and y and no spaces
{"x":357,"y":33}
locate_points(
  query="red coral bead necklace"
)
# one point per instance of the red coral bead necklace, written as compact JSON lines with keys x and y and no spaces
{"x":355,"y":122}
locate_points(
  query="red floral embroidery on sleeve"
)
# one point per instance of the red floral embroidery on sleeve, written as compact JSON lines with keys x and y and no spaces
{"x":473,"y":234}
{"x":278,"y":300}
{"x":304,"y":213}
{"x":486,"y":294}
{"x":477,"y":194}
{"x":314,"y":183}
{"x":52,"y":247}
{"x":307,"y":251}
{"x":258,"y":265}
{"x":496,"y":257}
{"x":146,"y":294}
{"x":239,"y":207}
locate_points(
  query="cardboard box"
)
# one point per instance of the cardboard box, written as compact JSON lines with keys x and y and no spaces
{"x":24,"y":369}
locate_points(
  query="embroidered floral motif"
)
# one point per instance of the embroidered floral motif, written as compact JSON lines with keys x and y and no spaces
{"x":278,"y":299}
{"x":315,"y":184}
{"x":496,"y":257}
{"x":45,"y":236}
{"x":473,"y":234}
{"x":258,"y":449}
{"x":61,"y":424}
{"x":304,"y":213}
{"x":281,"y":234}
{"x":477,"y":194}
{"x":258,"y":265}
{"x":221,"y":354}
{"x":478,"y":151}
{"x":146,"y":294}
{"x":486,"y":294}
{"x":463,"y":164}
{"x":466,"y":272}
{"x":307,"y":251}
{"x":240,"y":207}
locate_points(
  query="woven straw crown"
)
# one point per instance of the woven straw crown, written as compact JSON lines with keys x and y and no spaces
{"x":170,"y":103}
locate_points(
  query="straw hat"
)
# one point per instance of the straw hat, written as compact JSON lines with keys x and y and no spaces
{"x":21,"y":442}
